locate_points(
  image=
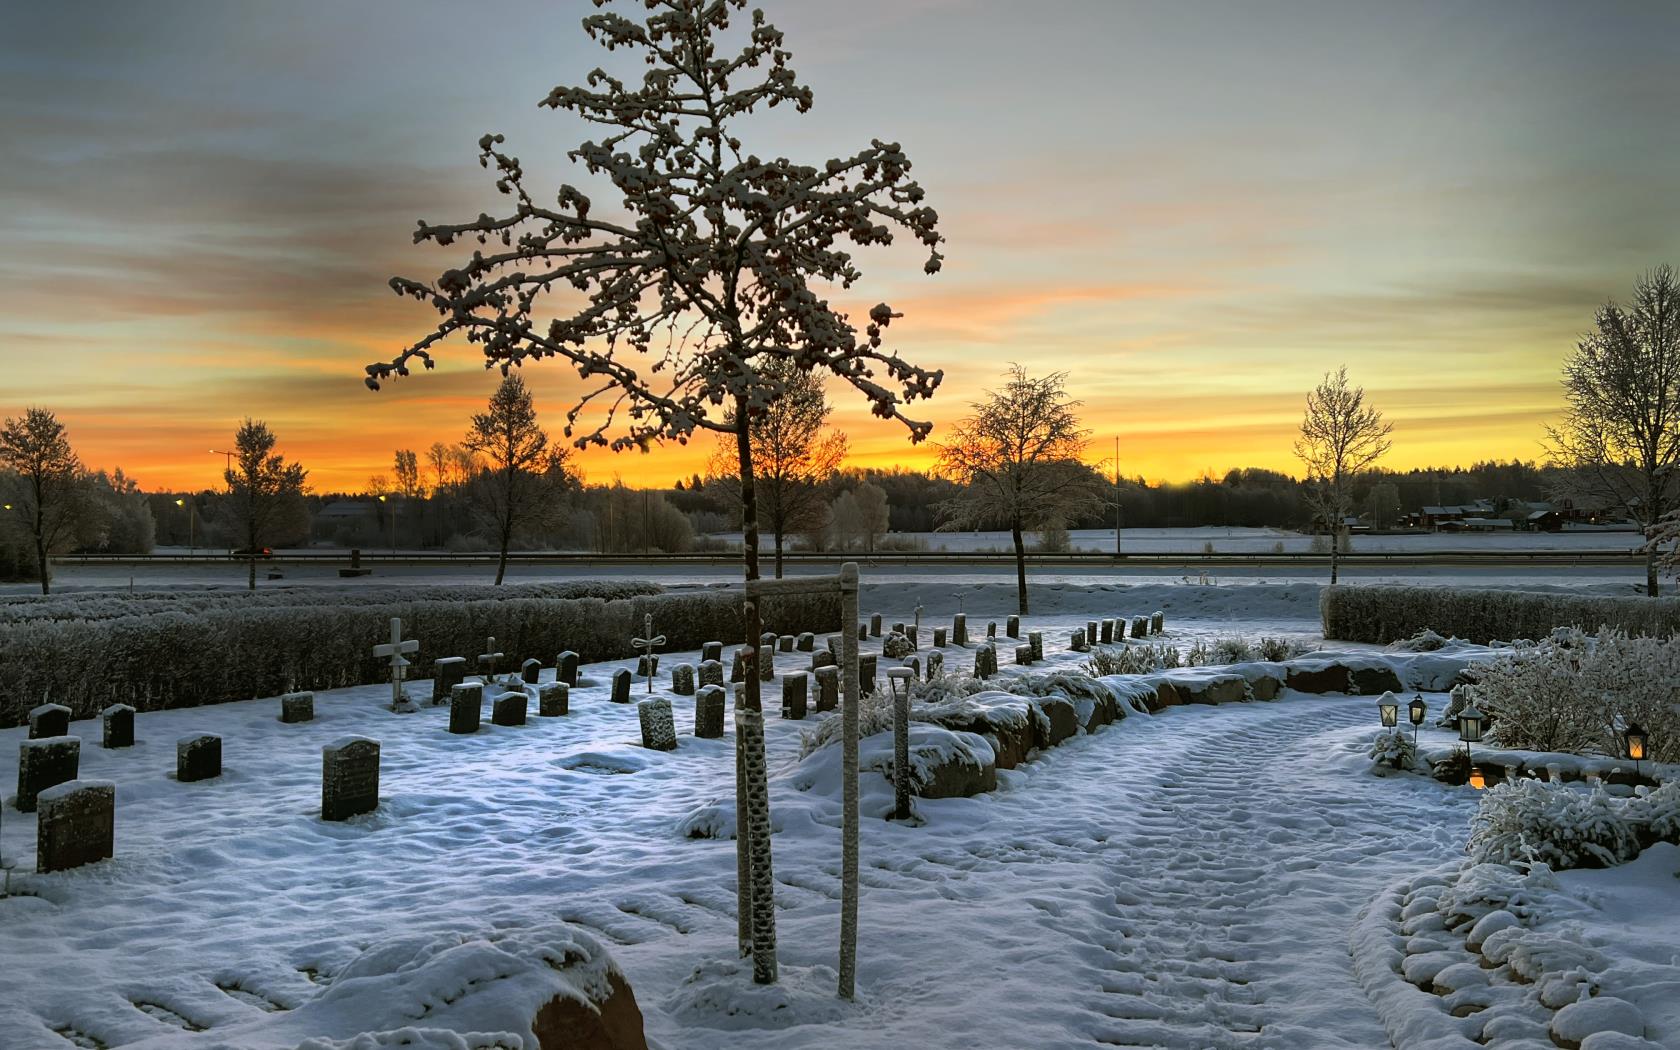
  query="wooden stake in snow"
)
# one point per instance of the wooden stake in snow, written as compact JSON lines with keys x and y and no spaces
{"x":648,"y":643}
{"x":395,"y":650}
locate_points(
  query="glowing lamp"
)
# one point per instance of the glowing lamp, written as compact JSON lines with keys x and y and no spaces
{"x":1417,"y":710}
{"x":1635,"y":741}
{"x":1389,"y":708}
{"x":1477,"y":781}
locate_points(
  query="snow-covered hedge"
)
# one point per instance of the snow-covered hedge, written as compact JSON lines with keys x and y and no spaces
{"x":1385,"y":614}
{"x":184,"y":659}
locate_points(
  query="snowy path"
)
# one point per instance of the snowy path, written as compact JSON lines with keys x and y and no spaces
{"x":1183,"y":881}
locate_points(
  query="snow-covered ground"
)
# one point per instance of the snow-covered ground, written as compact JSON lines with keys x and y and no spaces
{"x":1187,"y":880}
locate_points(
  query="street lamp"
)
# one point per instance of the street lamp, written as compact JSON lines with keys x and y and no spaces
{"x":1417,"y":711}
{"x":898,"y":680}
{"x":1470,"y":731}
{"x":1389,"y":708}
{"x":1634,"y":736}
{"x":391,"y":516}
{"x":192,"y":544}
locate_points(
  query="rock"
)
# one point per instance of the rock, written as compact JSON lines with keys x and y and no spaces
{"x":1165,"y":696}
{"x":1212,"y":689}
{"x":1374,"y":681}
{"x":1266,"y":687}
{"x":1318,"y":677}
{"x":1059,"y":722}
{"x":1573,"y":1024}
{"x":612,"y":1023}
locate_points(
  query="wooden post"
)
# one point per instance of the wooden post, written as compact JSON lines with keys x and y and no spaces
{"x":851,"y":700}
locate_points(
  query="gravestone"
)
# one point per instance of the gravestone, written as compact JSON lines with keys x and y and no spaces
{"x":530,"y":671}
{"x":912,"y":632}
{"x":980,"y":669}
{"x":447,"y":673}
{"x":959,"y":629}
{"x":712,"y":651}
{"x":807,"y":642}
{"x":117,"y":721}
{"x":767,"y":666}
{"x":936,"y":665}
{"x":1036,"y":640}
{"x":1106,"y":629}
{"x":349,"y":778}
{"x":832,"y":644}
{"x":659,"y":730}
{"x":1157,"y":622}
{"x":767,"y":639}
{"x":939,"y":637}
{"x":76,"y":826}
{"x":1077,"y":643}
{"x":794,"y":688}
{"x":863,"y":631}
{"x":647,"y":666}
{"x":1023,"y":654}
{"x":785,"y":643}
{"x":621,"y":686}
{"x":875,"y":625}
{"x":1091,"y":632}
{"x":898,"y":628}
{"x":553,"y":700}
{"x":466,"y":707}
{"x":647,"y":663}
{"x":738,"y":667}
{"x":991,"y":629}
{"x":43,"y":763}
{"x":823,"y":658}
{"x":297,"y":707}
{"x":488,"y":660}
{"x":1012,"y":627}
{"x":682,"y":679}
{"x":1140,"y":627}
{"x":49,"y":720}
{"x":396,"y":652}
{"x":509,"y":709}
{"x":198,"y":757}
{"x":711,"y":672}
{"x":708,"y":713}
{"x":915,"y":665}
{"x":828,"y":688}
{"x":566,"y":668}
{"x":867,"y":663}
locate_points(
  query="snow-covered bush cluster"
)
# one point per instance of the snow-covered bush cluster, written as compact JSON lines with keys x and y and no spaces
{"x":1145,"y":658}
{"x":1149,"y":657}
{"x":1393,"y":747}
{"x":896,"y":646}
{"x":1576,"y":693}
{"x":1425,"y":641}
{"x":1566,"y":826}
{"x":1385,"y":614}
{"x":209,"y":655}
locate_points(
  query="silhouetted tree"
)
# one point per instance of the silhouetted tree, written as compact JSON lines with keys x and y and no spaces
{"x":260,"y":483}
{"x":51,"y":490}
{"x":1341,"y":438}
{"x":522,"y":477}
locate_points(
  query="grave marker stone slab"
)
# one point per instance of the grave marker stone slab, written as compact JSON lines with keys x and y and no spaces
{"x":1106,"y":629}
{"x":1036,"y":640}
{"x":785,"y":643}
{"x":1023,"y":654}
{"x":1012,"y":627}
{"x":621,"y":686}
{"x":863,"y":631}
{"x":553,"y":700}
{"x":1077,"y":644}
{"x":915,"y":665}
{"x":794,"y":689}
{"x":939,"y":637}
{"x":959,"y":629}
{"x":530,"y":671}
{"x":659,"y":729}
{"x":509,"y":709}
{"x":198,"y":757}
{"x":447,"y":673}
{"x":682,"y":679}
{"x":43,"y":763}
{"x":823,"y":658}
{"x":738,"y":667}
{"x":566,"y":668}
{"x":1157,"y":622}
{"x":76,"y":826}
{"x":1140,"y":627}
{"x":712,"y":651}
{"x":807,"y":642}
{"x":466,"y":707}
{"x":1091,"y":632}
{"x":647,"y":666}
{"x":711,"y":672}
{"x":349,"y":778}
{"x":708,"y":713}
{"x":991,"y":629}
{"x":117,"y":721}
{"x":297,"y":707}
{"x":875,"y":625}
{"x":867,"y":663}
{"x":828,"y":688}
{"x":49,"y":720}
{"x":767,"y":666}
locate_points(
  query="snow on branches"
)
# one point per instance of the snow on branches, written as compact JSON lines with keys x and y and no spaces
{"x":705,"y":270}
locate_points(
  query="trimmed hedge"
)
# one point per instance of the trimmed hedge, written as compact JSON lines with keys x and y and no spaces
{"x":184,"y":659}
{"x":1387,"y":614}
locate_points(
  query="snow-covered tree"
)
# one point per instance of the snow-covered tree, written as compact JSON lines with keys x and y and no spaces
{"x":708,"y":262}
{"x":1341,"y":438}
{"x":51,"y":491}
{"x":1017,"y":457}
{"x":1620,"y":434}
{"x":260,"y":484}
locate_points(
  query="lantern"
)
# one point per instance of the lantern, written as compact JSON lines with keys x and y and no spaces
{"x":1389,"y":708}
{"x":1477,"y":781}
{"x":1417,"y":711}
{"x":1635,"y":739}
{"x":1470,"y":723}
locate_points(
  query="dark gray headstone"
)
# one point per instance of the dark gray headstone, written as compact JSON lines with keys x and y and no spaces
{"x":991,"y":629}
{"x":794,"y":688}
{"x":466,"y":707}
{"x":566,"y":668}
{"x":1091,"y":632}
{"x":621,"y":686}
{"x":767,"y":640}
{"x":1012,"y":627}
{"x":807,"y":642}
{"x":959,"y":629}
{"x":1036,"y":640}
{"x":659,"y":729}
{"x":297,"y":707}
{"x":980,"y":670}
{"x":708,"y":713}
{"x":117,"y":721}
{"x":823,"y":658}
{"x":1023,"y":654}
{"x":913,"y":633}
{"x":785,"y":643}
{"x":711,"y":672}
{"x":712,"y":651}
{"x":1140,"y":626}
{"x":828,"y":688}
{"x":509,"y":708}
{"x":875,"y":625}
{"x":832,"y":643}
{"x":1106,"y":631}
{"x":447,"y":673}
{"x":49,"y":720}
{"x":682,"y":679}
{"x":530,"y":671}
{"x":198,"y":757}
{"x":915,"y":665}
{"x":866,"y":673}
{"x":647,"y":665}
{"x":1157,"y":622}
{"x":76,"y":826}
{"x":349,"y":778}
{"x":553,"y":699}
{"x":738,"y":667}
{"x":939,"y":637}
{"x":1077,"y":642}
{"x":767,"y":666}
{"x":863,"y":631}
{"x":43,"y":763}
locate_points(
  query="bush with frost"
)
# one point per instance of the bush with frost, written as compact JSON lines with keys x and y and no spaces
{"x":1556,"y":824}
{"x":1393,"y":747}
{"x":896,"y":646}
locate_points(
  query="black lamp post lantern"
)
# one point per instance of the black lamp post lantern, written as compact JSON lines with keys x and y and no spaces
{"x":1389,"y":708}
{"x":1417,"y":711}
{"x":1470,"y":730}
{"x":1634,"y":737}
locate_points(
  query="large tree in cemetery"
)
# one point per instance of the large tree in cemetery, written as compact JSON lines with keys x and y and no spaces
{"x":706,"y":263}
{"x":1341,"y":438}
{"x":260,"y":485}
{"x":1619,"y":439}
{"x":51,"y":490}
{"x":521,"y":477}
{"x":794,"y":455}
{"x":1016,"y":456}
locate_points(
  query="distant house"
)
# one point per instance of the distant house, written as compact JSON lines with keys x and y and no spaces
{"x":346,"y":521}
{"x":1442,"y":517}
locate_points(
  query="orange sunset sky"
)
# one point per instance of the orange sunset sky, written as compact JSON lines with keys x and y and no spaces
{"x":1193,"y":209}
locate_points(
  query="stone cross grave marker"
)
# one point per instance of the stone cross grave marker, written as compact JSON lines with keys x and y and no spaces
{"x":649,"y":642}
{"x":488,"y":659}
{"x":396,"y":650}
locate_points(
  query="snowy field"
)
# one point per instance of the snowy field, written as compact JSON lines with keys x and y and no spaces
{"x":1187,"y":880}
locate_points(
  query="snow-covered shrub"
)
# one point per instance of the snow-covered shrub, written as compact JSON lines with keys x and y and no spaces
{"x":1560,"y":825}
{"x":1200,"y":654}
{"x":1385,"y":614}
{"x":1232,"y":651}
{"x":1425,"y":641}
{"x":896,"y":646}
{"x":1657,"y":812}
{"x":1277,"y":650}
{"x":1393,"y":747}
{"x":1130,"y":659}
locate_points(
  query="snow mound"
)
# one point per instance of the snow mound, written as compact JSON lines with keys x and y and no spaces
{"x":720,"y":994}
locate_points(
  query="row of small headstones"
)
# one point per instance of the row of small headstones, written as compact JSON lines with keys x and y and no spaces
{"x":1106,"y":632}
